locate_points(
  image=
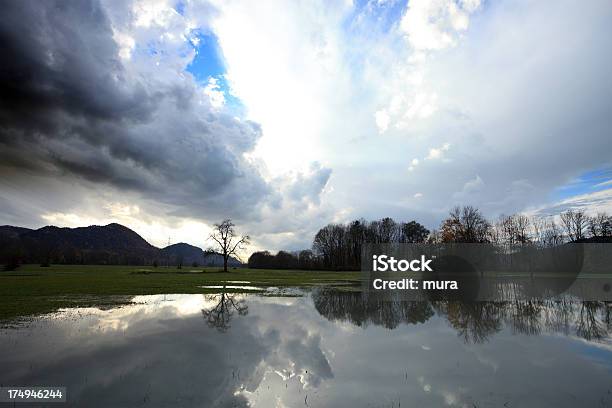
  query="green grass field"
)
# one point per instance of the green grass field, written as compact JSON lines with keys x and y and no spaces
{"x":32,"y":290}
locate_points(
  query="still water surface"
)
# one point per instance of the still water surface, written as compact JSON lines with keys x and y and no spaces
{"x":324,"y":349}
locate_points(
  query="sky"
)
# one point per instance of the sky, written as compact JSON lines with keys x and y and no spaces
{"x":168,"y":116}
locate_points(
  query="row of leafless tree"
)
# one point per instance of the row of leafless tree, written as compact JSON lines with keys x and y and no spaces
{"x":338,"y":246}
{"x":467,"y":224}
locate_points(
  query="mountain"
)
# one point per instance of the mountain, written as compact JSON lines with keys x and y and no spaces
{"x":188,"y":255}
{"x":8,"y":232}
{"x":9,"y":237}
{"x":108,"y":244}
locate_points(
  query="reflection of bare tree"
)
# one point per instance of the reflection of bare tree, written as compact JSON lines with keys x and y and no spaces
{"x":589,"y":326}
{"x":558,"y":315}
{"x":475,"y":322}
{"x":526,"y":317}
{"x":352,"y":307}
{"x":221,"y":314}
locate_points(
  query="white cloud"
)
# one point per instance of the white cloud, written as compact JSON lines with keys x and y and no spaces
{"x":592,"y":203}
{"x":423,"y":106}
{"x":214,"y":93}
{"x":434,"y":24}
{"x":284,"y":62}
{"x":382,"y":121}
{"x":450,"y":79}
{"x":437,"y":153}
{"x":604,"y":183}
{"x":434,"y":154}
{"x":153,"y":12}
{"x":126,"y":44}
{"x":471,"y":192}
{"x":413,"y":164}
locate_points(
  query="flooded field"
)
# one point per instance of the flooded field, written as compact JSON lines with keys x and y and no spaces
{"x":320,"y":349}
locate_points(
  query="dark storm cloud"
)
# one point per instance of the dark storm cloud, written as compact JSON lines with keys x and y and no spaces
{"x":60,"y":57}
{"x":69,"y":108}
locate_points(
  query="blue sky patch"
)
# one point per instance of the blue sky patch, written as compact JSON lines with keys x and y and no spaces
{"x":180,"y":8}
{"x":385,"y":15}
{"x":209,"y":62}
{"x":589,"y":182}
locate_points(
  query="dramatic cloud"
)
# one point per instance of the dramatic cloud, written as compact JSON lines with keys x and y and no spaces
{"x":315,"y":112}
{"x":85,"y":100}
{"x":70,"y":107}
{"x":513,"y":103}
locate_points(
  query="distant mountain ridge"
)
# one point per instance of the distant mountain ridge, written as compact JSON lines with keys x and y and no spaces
{"x":108,"y":244}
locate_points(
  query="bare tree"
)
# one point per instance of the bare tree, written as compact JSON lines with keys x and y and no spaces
{"x":465,"y":224}
{"x":228,"y":241}
{"x":356,"y":236}
{"x":512,"y":229}
{"x":330,"y":243}
{"x":574,"y":222}
{"x":551,"y":234}
{"x":600,"y":225}
{"x":388,"y":230}
{"x":538,"y":225}
{"x":521,"y":222}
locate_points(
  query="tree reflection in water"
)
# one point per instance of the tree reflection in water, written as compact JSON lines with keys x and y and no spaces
{"x":590,"y":326}
{"x":475,"y":322}
{"x":221,"y":314}
{"x":352,"y":307}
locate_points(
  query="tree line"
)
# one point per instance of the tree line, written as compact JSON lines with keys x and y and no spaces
{"x":338,"y":246}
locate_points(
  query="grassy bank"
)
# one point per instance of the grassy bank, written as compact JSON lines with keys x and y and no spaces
{"x":32,"y":290}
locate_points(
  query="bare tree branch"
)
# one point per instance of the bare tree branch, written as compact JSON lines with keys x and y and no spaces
{"x":228,"y":241}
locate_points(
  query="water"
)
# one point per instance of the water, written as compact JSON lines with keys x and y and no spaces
{"x":323,"y":349}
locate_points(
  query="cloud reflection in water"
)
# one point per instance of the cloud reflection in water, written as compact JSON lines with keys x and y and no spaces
{"x":328,"y":349}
